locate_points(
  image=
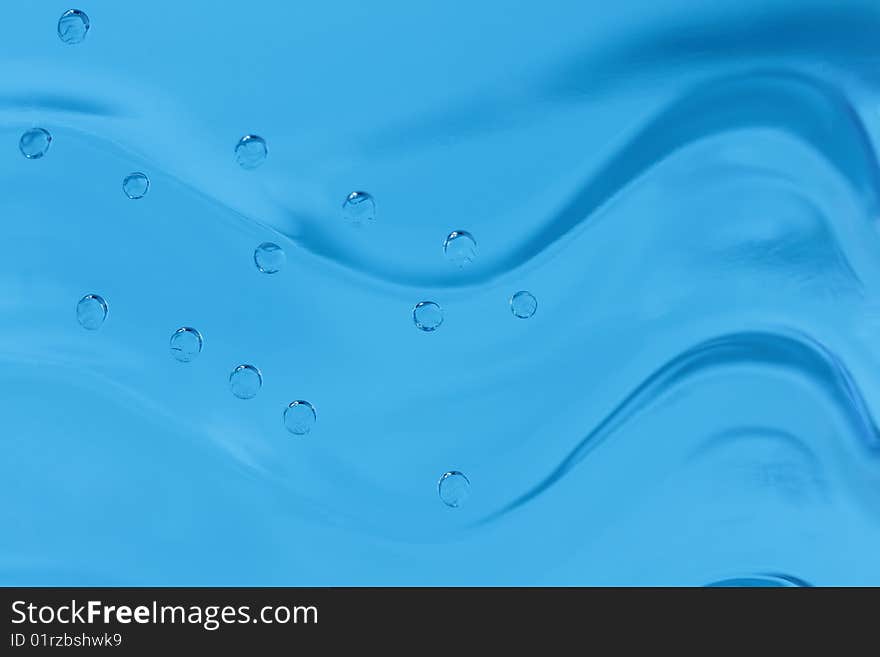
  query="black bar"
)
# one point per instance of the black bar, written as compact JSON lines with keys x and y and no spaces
{"x":280,"y":618}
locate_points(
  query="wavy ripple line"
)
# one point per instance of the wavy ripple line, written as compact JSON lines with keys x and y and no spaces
{"x":812,"y":110}
{"x":808,"y":108}
{"x":798,"y":352}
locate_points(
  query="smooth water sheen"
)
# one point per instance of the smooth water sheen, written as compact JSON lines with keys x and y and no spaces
{"x":689,"y":193}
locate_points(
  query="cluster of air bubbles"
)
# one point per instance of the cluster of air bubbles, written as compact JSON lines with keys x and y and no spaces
{"x":91,"y":311}
{"x":136,"y":185}
{"x":359,"y":208}
{"x":269,"y":258}
{"x":34,"y":143}
{"x":299,"y":417}
{"x":185,"y":344}
{"x":246,"y":380}
{"x":251,"y":151}
{"x":73,"y":26}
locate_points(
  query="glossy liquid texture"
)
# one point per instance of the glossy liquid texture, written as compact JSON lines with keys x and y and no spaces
{"x":689,"y":191}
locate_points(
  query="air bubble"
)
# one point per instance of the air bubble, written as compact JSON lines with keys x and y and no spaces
{"x":186,"y":343}
{"x":136,"y":185}
{"x":427,"y":315}
{"x":460,"y":248}
{"x":91,"y":311}
{"x":269,"y":258}
{"x":245,"y":381}
{"x":523,"y":304}
{"x":454,"y":488}
{"x":251,"y":151}
{"x":299,"y":417}
{"x":34,"y":143}
{"x":359,"y":208}
{"x":73,"y":26}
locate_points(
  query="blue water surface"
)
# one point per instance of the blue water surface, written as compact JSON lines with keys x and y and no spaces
{"x":215,"y":368}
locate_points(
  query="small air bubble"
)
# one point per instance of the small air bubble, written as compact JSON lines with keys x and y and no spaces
{"x":454,"y":488}
{"x":299,"y":417}
{"x":251,"y":151}
{"x":427,"y":315}
{"x":136,"y":185}
{"x":186,"y":343}
{"x":34,"y":143}
{"x":269,"y":258}
{"x":73,"y":26}
{"x":523,"y":304}
{"x":245,"y":381}
{"x":460,"y":248}
{"x":91,"y":311}
{"x":359,"y":208}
